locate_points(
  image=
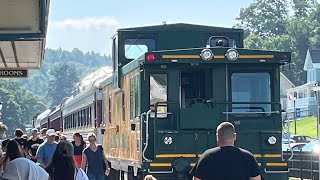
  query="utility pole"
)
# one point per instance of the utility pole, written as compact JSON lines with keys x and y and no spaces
{"x":294,"y":97}
{"x":294,"y":115}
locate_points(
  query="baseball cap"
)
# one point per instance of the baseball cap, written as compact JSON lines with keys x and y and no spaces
{"x":34,"y":130}
{"x":51,"y":132}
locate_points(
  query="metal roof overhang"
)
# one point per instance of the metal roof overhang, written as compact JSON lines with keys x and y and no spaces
{"x":23,"y":27}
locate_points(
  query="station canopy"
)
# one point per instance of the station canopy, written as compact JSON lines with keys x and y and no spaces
{"x":23,"y":27}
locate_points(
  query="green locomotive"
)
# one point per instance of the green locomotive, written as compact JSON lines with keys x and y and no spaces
{"x":173,"y":84}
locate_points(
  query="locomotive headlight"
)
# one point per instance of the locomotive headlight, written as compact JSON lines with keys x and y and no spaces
{"x":272,"y":140}
{"x":167,"y":140}
{"x":232,"y":54}
{"x":206,"y":54}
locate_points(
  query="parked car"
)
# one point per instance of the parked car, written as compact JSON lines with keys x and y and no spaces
{"x":287,"y":141}
{"x":312,"y":146}
{"x":301,"y":138}
{"x":293,"y":146}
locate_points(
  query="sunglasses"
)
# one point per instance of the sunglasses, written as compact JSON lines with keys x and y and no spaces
{"x":92,"y":140}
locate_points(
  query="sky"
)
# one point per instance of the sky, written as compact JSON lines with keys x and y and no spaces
{"x":89,"y":25}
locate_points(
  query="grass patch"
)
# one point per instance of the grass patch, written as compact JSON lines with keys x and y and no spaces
{"x":305,"y":126}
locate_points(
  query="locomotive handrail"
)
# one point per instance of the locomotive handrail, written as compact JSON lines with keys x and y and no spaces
{"x":160,"y":172}
{"x":275,"y":172}
{"x":224,"y":102}
{"x":257,"y":112}
{"x":147,"y":137}
{"x":141,"y":125}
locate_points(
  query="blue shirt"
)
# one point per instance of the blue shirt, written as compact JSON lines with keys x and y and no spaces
{"x":45,"y":152}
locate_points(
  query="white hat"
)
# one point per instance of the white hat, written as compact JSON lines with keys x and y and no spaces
{"x":51,"y":132}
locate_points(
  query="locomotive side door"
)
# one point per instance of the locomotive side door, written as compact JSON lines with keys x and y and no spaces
{"x":162,"y":98}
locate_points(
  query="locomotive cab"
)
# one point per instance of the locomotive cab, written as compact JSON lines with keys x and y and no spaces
{"x":173,"y":84}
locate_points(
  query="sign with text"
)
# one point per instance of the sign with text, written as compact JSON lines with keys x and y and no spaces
{"x":13,"y":73}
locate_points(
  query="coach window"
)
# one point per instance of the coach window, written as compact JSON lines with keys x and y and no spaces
{"x":85,"y":111}
{"x":135,"y":48}
{"x":158,"y":91}
{"x":89,"y":117}
{"x":78,"y":119}
{"x":248,"y":88}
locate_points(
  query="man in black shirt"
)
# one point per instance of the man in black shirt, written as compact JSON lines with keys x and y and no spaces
{"x":226,"y":162}
{"x":21,"y":141}
{"x":33,"y":144}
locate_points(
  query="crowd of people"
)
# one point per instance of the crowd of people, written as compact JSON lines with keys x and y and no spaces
{"x":52,"y":157}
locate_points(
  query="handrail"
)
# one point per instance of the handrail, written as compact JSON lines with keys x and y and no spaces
{"x":224,"y":102}
{"x":275,"y":172}
{"x":257,"y":112}
{"x":161,"y":172}
{"x":141,"y":126}
{"x":147,"y":138}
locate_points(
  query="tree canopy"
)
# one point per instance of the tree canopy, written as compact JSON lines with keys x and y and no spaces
{"x":46,"y":87}
{"x":283,"y":25}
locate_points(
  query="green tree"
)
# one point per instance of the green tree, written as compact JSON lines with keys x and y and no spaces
{"x":62,"y":78}
{"x":20,"y":105}
{"x":269,"y":26}
{"x":264,"y":17}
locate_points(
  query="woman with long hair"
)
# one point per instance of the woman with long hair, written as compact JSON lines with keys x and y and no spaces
{"x":13,"y":151}
{"x":18,"y":167}
{"x":62,"y":165}
{"x":78,"y":145}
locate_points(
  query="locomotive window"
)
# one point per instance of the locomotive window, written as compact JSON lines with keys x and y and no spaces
{"x":137,"y":95}
{"x":134,"y":97}
{"x":158,"y":90}
{"x":249,"y":88}
{"x":135,"y":48}
{"x":109,"y":110}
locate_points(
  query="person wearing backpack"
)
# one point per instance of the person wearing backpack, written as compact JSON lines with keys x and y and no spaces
{"x":62,"y":164}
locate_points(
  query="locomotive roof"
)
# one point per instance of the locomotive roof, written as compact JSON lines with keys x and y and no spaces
{"x":181,"y":27}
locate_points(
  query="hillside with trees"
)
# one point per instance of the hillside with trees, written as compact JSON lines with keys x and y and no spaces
{"x":60,"y":71}
{"x":44,"y":88}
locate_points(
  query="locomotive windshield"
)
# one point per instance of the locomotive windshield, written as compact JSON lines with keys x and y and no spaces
{"x":251,"y":87}
{"x":135,"y":48}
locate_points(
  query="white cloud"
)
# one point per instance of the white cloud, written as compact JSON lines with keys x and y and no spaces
{"x":98,"y":23}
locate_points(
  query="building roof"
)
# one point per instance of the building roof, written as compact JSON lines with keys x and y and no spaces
{"x":287,"y":79}
{"x":315,"y":55}
{"x":312,"y":59}
{"x":303,"y":86}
